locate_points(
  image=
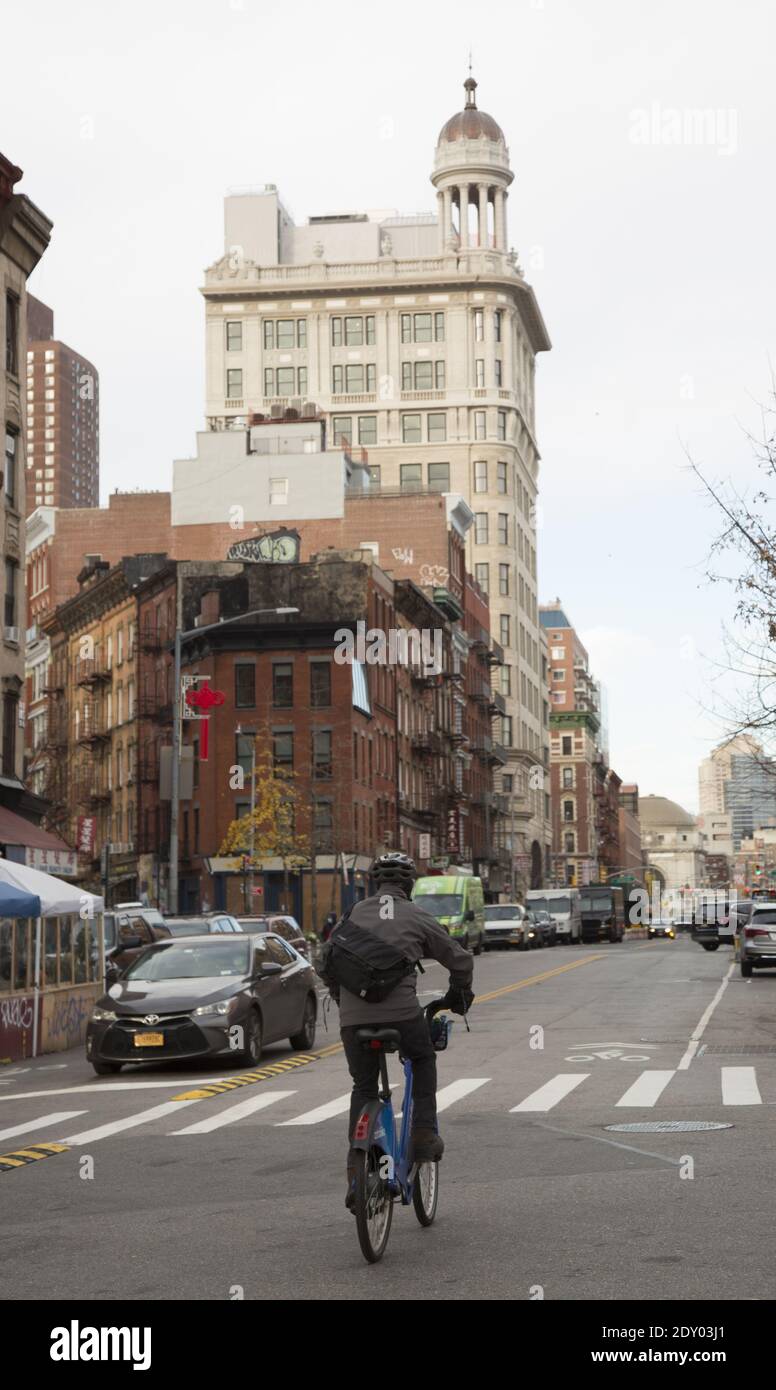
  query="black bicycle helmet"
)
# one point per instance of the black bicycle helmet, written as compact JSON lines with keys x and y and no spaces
{"x":394,"y":868}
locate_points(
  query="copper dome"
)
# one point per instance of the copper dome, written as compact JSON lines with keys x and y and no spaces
{"x":471,"y":124}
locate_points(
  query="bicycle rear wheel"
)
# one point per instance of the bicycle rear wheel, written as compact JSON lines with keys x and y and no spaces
{"x":373,"y":1205}
{"x":425,"y":1192}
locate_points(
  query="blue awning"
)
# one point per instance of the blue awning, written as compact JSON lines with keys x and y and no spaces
{"x":14,"y":902}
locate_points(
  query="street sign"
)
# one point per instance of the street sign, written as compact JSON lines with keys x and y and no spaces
{"x":424,"y":846}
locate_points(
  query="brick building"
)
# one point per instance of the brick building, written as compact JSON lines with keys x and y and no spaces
{"x":63,"y":412}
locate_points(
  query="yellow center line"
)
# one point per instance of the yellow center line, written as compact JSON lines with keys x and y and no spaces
{"x":537,"y":979}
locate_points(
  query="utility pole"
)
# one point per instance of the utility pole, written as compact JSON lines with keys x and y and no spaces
{"x":177,"y":718}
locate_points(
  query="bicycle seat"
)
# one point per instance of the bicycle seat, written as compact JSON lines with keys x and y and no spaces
{"x":387,"y":1039}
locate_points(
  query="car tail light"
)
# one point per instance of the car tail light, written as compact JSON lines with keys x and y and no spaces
{"x":362,"y":1127}
{"x":755,"y":931}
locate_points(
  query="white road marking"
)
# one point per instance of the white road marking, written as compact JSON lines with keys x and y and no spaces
{"x":320,"y":1113}
{"x":458,"y":1089}
{"x":181,"y":1084}
{"x":551,"y":1093}
{"x":647,"y":1089}
{"x":143,"y":1117}
{"x":739,"y":1086}
{"x":692,"y":1047}
{"x":57,"y":1118}
{"x":235,"y":1112}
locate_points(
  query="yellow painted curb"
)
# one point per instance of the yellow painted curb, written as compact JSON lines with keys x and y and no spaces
{"x":19,"y":1157}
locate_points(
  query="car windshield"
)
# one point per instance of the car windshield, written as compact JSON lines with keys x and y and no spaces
{"x":502,"y":912}
{"x":595,"y":902}
{"x":440,"y":904}
{"x":186,"y":928}
{"x":559,"y":905}
{"x":176,"y":961}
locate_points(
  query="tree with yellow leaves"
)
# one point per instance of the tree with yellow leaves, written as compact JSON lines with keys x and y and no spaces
{"x":269,"y":830}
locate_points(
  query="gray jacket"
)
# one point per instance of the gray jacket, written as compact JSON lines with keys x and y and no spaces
{"x":418,"y":936}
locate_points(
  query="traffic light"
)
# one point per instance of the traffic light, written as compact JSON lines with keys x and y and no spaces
{"x":757,"y":870}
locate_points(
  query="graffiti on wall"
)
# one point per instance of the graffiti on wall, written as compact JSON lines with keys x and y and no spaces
{"x":16,"y":1020}
{"x":65,"y":1015}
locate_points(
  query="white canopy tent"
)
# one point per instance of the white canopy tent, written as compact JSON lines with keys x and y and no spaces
{"x":57,"y":899}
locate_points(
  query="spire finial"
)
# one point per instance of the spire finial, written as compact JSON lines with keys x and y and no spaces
{"x":470,"y":87}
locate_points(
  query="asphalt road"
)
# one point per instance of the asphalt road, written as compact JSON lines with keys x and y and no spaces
{"x":536,"y":1193}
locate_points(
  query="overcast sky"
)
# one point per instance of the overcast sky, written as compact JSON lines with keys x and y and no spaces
{"x":647,"y":232}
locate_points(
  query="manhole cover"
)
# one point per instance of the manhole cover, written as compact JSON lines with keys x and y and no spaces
{"x":666,"y":1126}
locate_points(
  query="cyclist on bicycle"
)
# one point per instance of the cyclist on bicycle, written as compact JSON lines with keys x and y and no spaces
{"x":391,"y":916}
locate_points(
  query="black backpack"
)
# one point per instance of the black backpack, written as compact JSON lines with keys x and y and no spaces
{"x":360,"y":962}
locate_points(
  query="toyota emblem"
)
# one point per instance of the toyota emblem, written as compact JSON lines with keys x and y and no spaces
{"x":151,"y":1018}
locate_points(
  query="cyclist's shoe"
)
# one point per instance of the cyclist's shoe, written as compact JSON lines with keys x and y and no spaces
{"x":427,"y":1147}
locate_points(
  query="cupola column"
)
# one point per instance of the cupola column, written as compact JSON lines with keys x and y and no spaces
{"x":500,"y":218}
{"x":447,"y":216}
{"x":482,"y":190}
{"x":463,"y":212}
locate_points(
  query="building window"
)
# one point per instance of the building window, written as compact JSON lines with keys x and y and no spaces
{"x":10,"y":593}
{"x":558,"y":653}
{"x":269,"y":333}
{"x":506,"y":730}
{"x":11,"y":455}
{"x":343,"y":428}
{"x":411,"y":429}
{"x":506,"y":680}
{"x":323,"y":824}
{"x":283,"y":753}
{"x":503,"y":528}
{"x":506,"y":782}
{"x":10,"y":717}
{"x":406,"y":376}
{"x":479,"y":325}
{"x":439,"y":477}
{"x":497,"y":365}
{"x":558,"y":674}
{"x":301,"y":377}
{"x":568,"y":777}
{"x":437,"y":428}
{"x":481,"y":575}
{"x":11,"y":334}
{"x":234,"y":337}
{"x":424,"y":376}
{"x":569,"y":842}
{"x":497,"y":314}
{"x":439,"y":327}
{"x":411,"y":477}
{"x":480,"y":476}
{"x":439,"y":375}
{"x":422,"y":328}
{"x":501,"y":477}
{"x":269,"y":381}
{"x":480,"y":528}
{"x":480,"y":424}
{"x":321,"y":753}
{"x":568,"y":810}
{"x":278,"y":492}
{"x":567,"y":746}
{"x":285,"y":381}
{"x":367,"y":429}
{"x":320,"y":684}
{"x":245,"y":685}
{"x":234,"y":383}
{"x":502,"y":424}
{"x":301,"y":333}
{"x":479,"y":371}
{"x":504,"y":630}
{"x":336,"y":332}
{"x":374,"y":476}
{"x":282,"y":685}
{"x":285,"y":333}
{"x":406,"y":328}
{"x":503,"y":580}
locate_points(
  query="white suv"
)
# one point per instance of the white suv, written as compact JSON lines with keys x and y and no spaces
{"x":758,"y":938}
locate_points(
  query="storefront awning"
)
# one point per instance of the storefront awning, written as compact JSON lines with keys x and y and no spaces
{"x":15,"y":830}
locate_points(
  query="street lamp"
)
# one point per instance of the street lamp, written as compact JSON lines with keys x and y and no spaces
{"x":180,"y":638}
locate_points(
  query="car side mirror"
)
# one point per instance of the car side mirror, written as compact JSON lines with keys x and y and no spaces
{"x":270,"y":967}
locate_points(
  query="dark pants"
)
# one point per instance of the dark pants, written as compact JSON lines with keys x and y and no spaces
{"x":364,"y":1064}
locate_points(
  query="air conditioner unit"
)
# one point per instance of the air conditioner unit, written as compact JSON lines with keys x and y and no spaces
{"x":309,"y":410}
{"x":276,"y":412}
{"x":11,"y":634}
{"x":296,"y":403}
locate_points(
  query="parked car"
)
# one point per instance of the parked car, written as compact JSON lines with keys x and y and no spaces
{"x":739,"y":916}
{"x":757,"y":947}
{"x":661,"y":926}
{"x":198,"y":926}
{"x":509,"y":925}
{"x":282,"y":924}
{"x":546,"y":926}
{"x":200,"y":996}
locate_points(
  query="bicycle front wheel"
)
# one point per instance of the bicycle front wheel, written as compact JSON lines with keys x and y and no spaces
{"x":425,"y":1192}
{"x":373,"y":1205}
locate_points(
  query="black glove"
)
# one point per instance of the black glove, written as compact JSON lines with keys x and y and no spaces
{"x":458,"y":999}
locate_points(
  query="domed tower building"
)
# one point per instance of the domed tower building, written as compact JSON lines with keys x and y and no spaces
{"x":416,"y":336}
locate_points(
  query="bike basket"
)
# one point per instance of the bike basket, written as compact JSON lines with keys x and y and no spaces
{"x":441,"y":1027}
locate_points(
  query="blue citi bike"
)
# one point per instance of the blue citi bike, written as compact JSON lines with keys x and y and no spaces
{"x":384,"y":1167}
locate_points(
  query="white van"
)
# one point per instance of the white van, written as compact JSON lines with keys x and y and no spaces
{"x":563,"y":905}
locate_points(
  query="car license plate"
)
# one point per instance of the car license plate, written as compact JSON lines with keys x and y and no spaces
{"x":149,"y":1039}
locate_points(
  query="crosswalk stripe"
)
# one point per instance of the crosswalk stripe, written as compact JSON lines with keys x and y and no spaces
{"x":647,"y":1088}
{"x":458,"y":1089}
{"x":551,"y":1093}
{"x":739,"y":1086}
{"x":144,"y":1117}
{"x":45,"y":1120}
{"x":320,"y":1113}
{"x":238,"y":1111}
